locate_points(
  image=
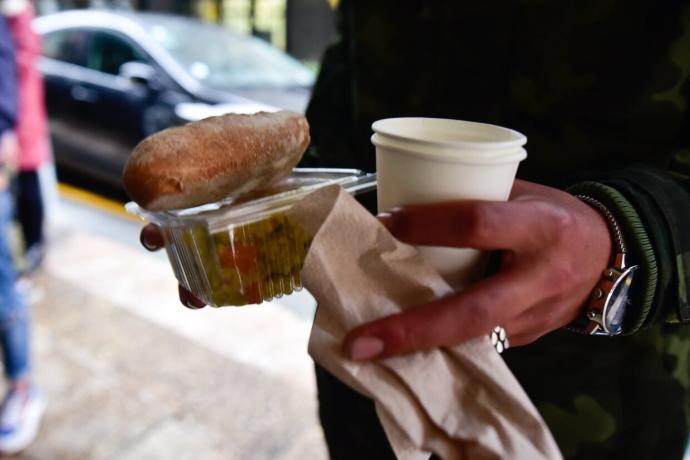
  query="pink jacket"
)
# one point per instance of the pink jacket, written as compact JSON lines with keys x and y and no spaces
{"x":32,"y":122}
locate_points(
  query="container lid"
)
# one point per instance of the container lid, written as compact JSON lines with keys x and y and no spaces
{"x":452,"y":140}
{"x":258,"y":204}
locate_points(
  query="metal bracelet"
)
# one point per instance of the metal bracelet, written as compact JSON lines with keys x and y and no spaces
{"x":610,"y":219}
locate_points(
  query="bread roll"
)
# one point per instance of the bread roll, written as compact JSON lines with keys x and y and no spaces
{"x":208,"y":160}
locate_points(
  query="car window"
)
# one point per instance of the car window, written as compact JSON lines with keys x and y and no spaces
{"x":225,"y":60}
{"x":109,"y":51}
{"x":65,"y":45}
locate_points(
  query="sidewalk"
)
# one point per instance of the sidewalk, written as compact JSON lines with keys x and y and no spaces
{"x":131,"y":374}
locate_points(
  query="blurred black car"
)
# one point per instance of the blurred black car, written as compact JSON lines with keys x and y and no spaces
{"x":112,"y":78}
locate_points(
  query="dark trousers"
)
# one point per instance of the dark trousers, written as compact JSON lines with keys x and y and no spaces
{"x":29,"y":207}
{"x":349,"y":421}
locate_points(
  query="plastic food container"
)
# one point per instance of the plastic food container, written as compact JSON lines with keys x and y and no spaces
{"x":246,"y":249}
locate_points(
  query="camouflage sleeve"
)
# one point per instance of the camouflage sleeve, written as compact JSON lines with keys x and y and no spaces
{"x":654,"y":209}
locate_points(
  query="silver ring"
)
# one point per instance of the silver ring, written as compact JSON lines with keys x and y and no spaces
{"x":499,"y":339}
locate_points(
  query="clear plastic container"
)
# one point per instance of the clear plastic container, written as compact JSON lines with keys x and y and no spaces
{"x":247,"y":249}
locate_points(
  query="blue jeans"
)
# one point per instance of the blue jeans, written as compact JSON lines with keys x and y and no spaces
{"x":14,"y":314}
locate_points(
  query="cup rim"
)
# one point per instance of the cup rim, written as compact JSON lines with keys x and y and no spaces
{"x":513,"y":139}
{"x":445,"y":155}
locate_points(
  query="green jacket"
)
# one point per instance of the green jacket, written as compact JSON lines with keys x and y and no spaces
{"x":601,"y":90}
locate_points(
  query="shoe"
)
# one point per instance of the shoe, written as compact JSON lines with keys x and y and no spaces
{"x":20,"y":418}
{"x":29,"y":290}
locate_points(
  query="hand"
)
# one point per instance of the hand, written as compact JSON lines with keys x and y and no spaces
{"x":152,"y":239}
{"x":555,"y":249}
{"x":9,"y":149}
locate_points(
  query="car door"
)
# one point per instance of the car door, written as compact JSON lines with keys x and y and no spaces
{"x":62,"y":65}
{"x":94,"y":111}
{"x":121,"y":101}
{"x":113,"y":104}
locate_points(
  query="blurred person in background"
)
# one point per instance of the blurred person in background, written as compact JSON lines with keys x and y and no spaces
{"x":23,"y":406}
{"x":31,"y":131}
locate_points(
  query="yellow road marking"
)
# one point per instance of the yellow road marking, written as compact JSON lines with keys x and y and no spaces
{"x":96,"y":201}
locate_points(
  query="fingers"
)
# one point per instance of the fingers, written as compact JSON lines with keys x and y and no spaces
{"x":524,"y":190}
{"x":520,"y":187}
{"x":445,"y":322}
{"x":189,"y":300}
{"x":534,"y":323}
{"x":555,"y":248}
{"x":151,"y":237}
{"x":484,"y":225}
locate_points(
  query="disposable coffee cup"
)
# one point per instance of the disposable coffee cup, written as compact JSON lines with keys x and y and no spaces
{"x":427,"y":160}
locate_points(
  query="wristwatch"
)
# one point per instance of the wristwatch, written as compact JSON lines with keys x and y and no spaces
{"x":612,"y":295}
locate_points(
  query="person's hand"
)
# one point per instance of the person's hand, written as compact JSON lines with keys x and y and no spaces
{"x":555,"y":249}
{"x":9,"y":149}
{"x":152,"y":239}
{"x":9,"y":157}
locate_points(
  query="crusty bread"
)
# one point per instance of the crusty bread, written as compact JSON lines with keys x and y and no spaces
{"x":206,"y":161}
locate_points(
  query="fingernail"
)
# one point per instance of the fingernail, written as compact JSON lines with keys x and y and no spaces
{"x":191,"y":305}
{"x":151,"y":238}
{"x":363,"y":348}
{"x":189,"y":300}
{"x":144,"y":240}
{"x":147,"y":245}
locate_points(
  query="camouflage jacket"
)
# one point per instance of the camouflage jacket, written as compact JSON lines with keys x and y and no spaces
{"x":601,"y":89}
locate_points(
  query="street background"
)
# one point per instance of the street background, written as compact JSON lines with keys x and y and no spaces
{"x":300,"y":27}
{"x":128,"y":372}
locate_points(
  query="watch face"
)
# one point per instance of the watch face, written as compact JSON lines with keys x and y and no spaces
{"x":617,"y":302}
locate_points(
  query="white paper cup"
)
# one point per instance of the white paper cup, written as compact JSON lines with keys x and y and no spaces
{"x":426,"y":160}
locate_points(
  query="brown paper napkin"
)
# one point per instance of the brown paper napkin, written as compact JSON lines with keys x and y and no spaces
{"x":461,"y":402}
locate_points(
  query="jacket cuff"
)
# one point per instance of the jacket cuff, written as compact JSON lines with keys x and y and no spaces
{"x":640,"y":250}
